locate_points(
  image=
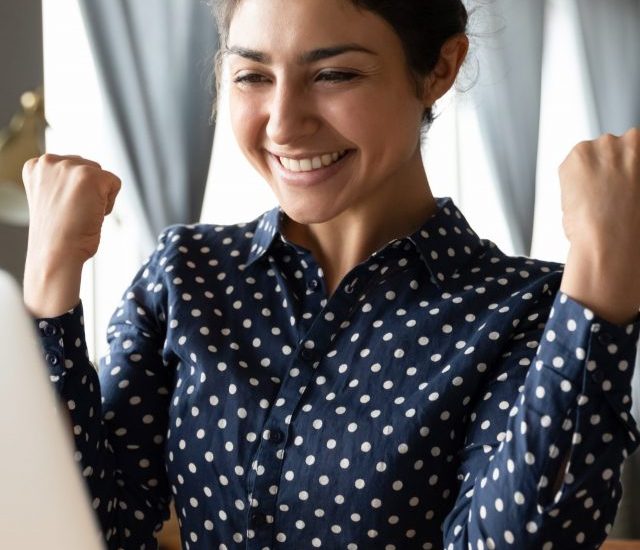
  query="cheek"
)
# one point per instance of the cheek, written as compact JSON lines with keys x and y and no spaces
{"x":244,"y":122}
{"x":373,"y":121}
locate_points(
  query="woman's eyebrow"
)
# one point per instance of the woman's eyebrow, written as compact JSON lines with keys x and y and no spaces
{"x":308,"y":57}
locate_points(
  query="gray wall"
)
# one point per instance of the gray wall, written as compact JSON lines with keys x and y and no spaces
{"x":20,"y":70}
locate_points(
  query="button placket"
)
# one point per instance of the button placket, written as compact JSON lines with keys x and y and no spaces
{"x":305,"y":360}
{"x":270,"y":454}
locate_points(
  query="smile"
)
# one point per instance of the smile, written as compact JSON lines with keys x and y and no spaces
{"x":312,"y":163}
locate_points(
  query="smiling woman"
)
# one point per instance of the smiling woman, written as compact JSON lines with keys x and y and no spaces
{"x":337,"y":86}
{"x":355,"y":368}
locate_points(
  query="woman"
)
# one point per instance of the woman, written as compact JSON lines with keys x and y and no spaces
{"x":356,"y":368}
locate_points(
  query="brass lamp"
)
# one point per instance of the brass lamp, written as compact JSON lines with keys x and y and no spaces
{"x":20,"y":141}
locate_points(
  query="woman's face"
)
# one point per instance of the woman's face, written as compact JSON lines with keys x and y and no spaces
{"x":322,"y":104}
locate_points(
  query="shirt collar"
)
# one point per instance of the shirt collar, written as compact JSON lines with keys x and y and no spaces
{"x":266,"y":230}
{"x":445,"y":241}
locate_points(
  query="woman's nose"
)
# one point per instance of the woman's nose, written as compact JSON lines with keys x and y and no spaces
{"x":292,"y":116}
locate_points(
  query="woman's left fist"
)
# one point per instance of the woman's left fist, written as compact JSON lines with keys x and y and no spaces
{"x":600,"y":190}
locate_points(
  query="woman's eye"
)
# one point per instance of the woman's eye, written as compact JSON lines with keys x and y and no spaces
{"x":250,"y":78}
{"x":336,"y":76}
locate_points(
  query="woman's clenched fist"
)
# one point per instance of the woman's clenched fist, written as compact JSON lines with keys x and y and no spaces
{"x":69,"y":197}
{"x":600,"y":189}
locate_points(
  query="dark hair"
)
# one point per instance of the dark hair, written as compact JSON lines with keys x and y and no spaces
{"x":422,"y":25}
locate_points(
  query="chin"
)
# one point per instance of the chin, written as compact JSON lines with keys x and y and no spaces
{"x":306,"y":212}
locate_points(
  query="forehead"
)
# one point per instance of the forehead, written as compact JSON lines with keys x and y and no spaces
{"x":280,"y":26}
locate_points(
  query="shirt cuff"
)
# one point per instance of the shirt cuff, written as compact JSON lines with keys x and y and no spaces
{"x":62,"y":340}
{"x":593,"y":352}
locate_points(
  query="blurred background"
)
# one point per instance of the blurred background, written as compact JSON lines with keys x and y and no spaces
{"x":130,"y":85}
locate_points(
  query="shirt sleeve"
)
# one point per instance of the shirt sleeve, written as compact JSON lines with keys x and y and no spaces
{"x":544,"y":452}
{"x":119,"y":413}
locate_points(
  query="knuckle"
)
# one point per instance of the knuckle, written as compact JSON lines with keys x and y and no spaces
{"x":84,"y":169}
{"x":66,"y":164}
{"x":49,"y":158}
{"x":582,"y":146}
{"x":607,"y":136}
{"x":27,"y":169}
{"x":30,"y":163}
{"x":633,"y":135}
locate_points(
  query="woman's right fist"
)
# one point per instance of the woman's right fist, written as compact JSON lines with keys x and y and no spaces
{"x":69,"y":196}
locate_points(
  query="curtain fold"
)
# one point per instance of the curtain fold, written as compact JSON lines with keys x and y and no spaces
{"x":507,"y":102}
{"x":155,"y":60}
{"x":610,"y":34}
{"x":611,"y":41}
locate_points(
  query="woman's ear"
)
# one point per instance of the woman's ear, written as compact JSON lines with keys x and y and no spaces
{"x":443,"y":75}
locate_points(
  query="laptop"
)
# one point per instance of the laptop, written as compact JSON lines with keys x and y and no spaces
{"x":44,"y":502}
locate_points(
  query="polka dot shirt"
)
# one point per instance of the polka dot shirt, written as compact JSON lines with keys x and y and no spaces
{"x":445,"y":396}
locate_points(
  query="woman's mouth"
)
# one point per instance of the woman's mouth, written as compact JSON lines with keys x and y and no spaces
{"x":311,"y":163}
{"x":311,"y":170}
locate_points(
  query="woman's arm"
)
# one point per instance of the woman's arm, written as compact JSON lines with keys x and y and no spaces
{"x":119,"y":445}
{"x":544,"y":470}
{"x":119,"y":414}
{"x":551,"y":478}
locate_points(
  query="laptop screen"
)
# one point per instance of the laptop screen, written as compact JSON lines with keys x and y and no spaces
{"x":44,"y":502}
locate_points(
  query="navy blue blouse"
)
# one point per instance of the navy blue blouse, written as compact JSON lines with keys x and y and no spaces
{"x":445,"y":396}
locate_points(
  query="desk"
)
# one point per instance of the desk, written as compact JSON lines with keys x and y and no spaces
{"x":170,"y":538}
{"x":621,"y":545}
{"x":171,"y":541}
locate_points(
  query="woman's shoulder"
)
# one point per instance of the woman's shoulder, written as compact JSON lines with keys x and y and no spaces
{"x":185,"y":240}
{"x":461,"y":258}
{"x":491,"y":252}
{"x":511,"y":274}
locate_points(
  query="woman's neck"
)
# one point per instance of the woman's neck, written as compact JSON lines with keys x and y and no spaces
{"x":343,"y":242}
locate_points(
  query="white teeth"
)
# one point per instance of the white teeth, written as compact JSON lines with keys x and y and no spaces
{"x":309,"y":164}
{"x":326,"y":160}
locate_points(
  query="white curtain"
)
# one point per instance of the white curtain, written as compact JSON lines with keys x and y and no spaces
{"x":156,"y":62}
{"x":507,"y":100}
{"x":611,"y":41}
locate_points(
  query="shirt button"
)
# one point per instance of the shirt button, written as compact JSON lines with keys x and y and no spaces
{"x":604,"y":338}
{"x":52,"y":358}
{"x":313,"y":284}
{"x":50,"y":330}
{"x":276,"y":435}
{"x":258,"y":517}
{"x":307,"y":354}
